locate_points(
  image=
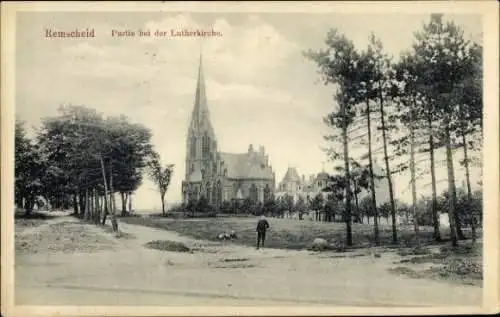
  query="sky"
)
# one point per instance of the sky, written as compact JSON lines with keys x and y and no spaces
{"x":260,"y":88}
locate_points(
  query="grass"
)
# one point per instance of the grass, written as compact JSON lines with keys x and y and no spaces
{"x":284,"y":233}
{"x":167,"y":245}
{"x":62,"y":237}
{"x":24,"y":221}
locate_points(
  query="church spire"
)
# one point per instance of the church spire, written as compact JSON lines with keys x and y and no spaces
{"x":200,"y":103}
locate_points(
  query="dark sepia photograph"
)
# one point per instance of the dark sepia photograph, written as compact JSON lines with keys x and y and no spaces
{"x":248,"y":159}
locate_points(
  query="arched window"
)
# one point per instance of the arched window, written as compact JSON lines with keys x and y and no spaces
{"x":208,"y":193}
{"x":214,"y":194}
{"x":205,"y":146}
{"x":193,"y":147}
{"x":253,"y":193}
{"x":267,"y":193}
{"x":219,"y":192}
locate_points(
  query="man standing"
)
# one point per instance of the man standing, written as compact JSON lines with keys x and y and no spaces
{"x":262,"y":226}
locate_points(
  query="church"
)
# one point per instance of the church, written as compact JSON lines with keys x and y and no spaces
{"x":216,"y":175}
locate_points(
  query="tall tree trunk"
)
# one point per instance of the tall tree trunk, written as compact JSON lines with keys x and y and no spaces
{"x":162,"y":195}
{"x":130,"y":202}
{"x":469,"y":190}
{"x":435,"y":215}
{"x":124,"y":204}
{"x":347,"y":177}
{"x":451,"y":187}
{"x":96,"y":206}
{"x":81,"y":202}
{"x":372,"y":180}
{"x":359,"y":217}
{"x":388,"y":172}
{"x":87,"y":205}
{"x":413,"y":180}
{"x":105,"y":192}
{"x":91,"y":205}
{"x":114,"y":222}
{"x":75,"y":205}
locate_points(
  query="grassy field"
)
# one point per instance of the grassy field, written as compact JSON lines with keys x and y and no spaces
{"x":433,"y":260}
{"x":284,"y":233}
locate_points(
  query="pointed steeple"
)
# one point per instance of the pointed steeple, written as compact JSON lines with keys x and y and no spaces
{"x":200,"y":102}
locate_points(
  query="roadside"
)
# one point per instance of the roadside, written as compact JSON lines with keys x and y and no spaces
{"x":125,"y":272}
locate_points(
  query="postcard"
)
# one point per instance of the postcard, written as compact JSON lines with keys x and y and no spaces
{"x":250,"y":158}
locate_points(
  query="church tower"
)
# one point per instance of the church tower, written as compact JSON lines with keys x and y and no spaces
{"x":201,"y":152}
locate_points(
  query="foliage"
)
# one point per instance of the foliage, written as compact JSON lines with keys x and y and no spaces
{"x":161,"y":176}
{"x":28,"y":171}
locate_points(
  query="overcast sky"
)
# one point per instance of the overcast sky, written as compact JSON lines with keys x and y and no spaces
{"x":260,"y":89}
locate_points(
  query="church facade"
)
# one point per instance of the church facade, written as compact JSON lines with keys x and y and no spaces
{"x":221,"y":176}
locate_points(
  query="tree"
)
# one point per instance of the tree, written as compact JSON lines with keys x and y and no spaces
{"x":203,"y":206}
{"x":366,"y":92}
{"x":337,"y":66}
{"x":331,"y":204}
{"x":161,"y":176}
{"x":316,"y":204}
{"x":414,"y":108}
{"x":287,"y":204}
{"x":90,"y":157}
{"x":28,"y":171}
{"x":468,"y":95}
{"x":270,"y":206}
{"x":360,"y":180}
{"x":300,"y":207}
{"x":382,"y":79}
{"x":442,"y":56}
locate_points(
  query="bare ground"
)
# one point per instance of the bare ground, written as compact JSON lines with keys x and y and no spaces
{"x":53,"y":269}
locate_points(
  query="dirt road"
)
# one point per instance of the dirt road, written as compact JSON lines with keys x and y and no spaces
{"x":215,"y":274}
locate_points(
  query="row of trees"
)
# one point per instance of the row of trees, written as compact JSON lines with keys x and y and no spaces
{"x":431,"y":98}
{"x":83,"y":160}
{"x":330,"y":209}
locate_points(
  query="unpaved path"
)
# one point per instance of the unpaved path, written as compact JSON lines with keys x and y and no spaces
{"x":219,"y":274}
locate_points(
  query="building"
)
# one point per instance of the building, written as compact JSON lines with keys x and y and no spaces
{"x":216,"y":175}
{"x":297,"y":186}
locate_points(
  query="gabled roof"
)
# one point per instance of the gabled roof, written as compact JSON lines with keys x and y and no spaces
{"x":246,"y":166}
{"x":291,"y":175}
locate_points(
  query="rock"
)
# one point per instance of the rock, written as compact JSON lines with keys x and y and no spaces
{"x":319,"y":244}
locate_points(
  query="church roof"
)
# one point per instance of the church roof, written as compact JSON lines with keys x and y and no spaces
{"x":322,"y":175}
{"x":291,"y":175}
{"x":246,"y":166}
